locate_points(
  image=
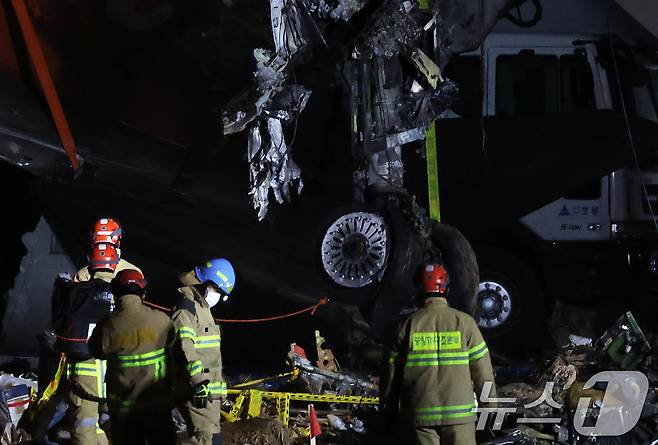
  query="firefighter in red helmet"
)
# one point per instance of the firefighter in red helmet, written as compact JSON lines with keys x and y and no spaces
{"x":77,"y":308}
{"x":436,"y":361}
{"x":136,"y":341}
{"x":106,"y":231}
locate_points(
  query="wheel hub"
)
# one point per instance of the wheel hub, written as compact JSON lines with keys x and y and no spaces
{"x":494,"y":305}
{"x":355,"y":249}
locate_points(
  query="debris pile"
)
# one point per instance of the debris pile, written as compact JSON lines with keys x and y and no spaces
{"x":15,"y":397}
{"x":591,"y":391}
{"x":316,"y":397}
{"x":257,"y":431}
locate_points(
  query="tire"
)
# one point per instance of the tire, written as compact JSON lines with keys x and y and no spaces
{"x":504,"y":278}
{"x":399,"y":285}
{"x":461,"y":262}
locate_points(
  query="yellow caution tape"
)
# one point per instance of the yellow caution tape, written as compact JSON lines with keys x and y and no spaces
{"x":305,"y":397}
{"x":54,"y":383}
{"x":255,"y":398}
{"x":432,"y":173}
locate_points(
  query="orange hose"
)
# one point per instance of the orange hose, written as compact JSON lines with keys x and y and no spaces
{"x":80,"y":340}
{"x":310,"y":309}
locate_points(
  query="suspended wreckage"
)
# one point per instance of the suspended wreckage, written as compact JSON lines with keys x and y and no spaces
{"x":389,"y":53}
{"x":396,"y":90}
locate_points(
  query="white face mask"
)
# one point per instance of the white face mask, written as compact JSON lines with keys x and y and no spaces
{"x":213,"y":297}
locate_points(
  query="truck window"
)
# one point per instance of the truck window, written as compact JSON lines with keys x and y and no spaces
{"x":527,"y":84}
{"x":576,"y":84}
{"x":466,"y":72}
{"x":531,"y":85}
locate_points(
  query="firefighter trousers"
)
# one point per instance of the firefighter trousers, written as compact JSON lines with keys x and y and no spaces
{"x":202,"y":423}
{"x":445,"y":435}
{"x":85,"y":429}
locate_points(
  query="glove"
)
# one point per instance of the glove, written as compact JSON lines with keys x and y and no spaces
{"x":201,"y":393}
{"x":64,"y":276}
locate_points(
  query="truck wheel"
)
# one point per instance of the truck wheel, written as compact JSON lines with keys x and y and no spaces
{"x":510,"y":302}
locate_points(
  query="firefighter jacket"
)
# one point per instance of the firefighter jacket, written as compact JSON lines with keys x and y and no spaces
{"x":84,"y":275}
{"x":90,"y":373}
{"x":135,"y":340}
{"x":198,"y":341}
{"x":436,"y":361}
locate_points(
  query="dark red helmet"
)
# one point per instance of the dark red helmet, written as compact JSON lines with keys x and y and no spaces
{"x":106,"y":230}
{"x":128,"y":281}
{"x":433,"y":278}
{"x":103,"y":257}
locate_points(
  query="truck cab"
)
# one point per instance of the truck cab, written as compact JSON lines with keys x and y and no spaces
{"x":600,"y":235}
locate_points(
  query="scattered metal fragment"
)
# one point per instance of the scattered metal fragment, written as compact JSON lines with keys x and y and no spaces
{"x":326,"y":359}
{"x":336,"y":9}
{"x":624,"y":342}
{"x":320,"y":380}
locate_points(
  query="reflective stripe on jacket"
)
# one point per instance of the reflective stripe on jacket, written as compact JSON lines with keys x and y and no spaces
{"x":434,"y":364}
{"x":136,"y":341}
{"x":198,"y":341}
{"x":90,"y":374}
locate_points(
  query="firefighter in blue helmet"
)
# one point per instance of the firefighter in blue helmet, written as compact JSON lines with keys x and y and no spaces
{"x":198,"y":348}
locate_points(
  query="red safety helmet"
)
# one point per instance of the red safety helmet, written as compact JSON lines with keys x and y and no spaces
{"x":103,"y":256}
{"x":127,"y":281}
{"x":106,"y":230}
{"x":433,"y":278}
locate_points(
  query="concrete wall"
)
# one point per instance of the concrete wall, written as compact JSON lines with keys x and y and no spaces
{"x":28,"y":303}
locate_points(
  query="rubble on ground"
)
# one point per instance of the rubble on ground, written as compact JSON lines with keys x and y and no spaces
{"x":257,"y":431}
{"x":552,"y":389}
{"x":15,"y":398}
{"x":342,"y":401}
{"x":274,"y":410}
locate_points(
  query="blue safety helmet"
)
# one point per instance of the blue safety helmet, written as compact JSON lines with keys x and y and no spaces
{"x":220,"y":271}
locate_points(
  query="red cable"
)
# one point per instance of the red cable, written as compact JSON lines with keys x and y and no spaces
{"x":310,"y":309}
{"x":81,"y":340}
{"x":162,"y":308}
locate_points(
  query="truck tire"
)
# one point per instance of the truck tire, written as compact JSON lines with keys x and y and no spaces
{"x":510,"y":302}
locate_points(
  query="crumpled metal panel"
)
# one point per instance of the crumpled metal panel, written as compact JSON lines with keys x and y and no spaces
{"x":270,"y":166}
{"x":392,"y":31}
{"x":286,"y":20}
{"x":271,"y":67}
{"x":335,"y":9}
{"x":270,"y":103}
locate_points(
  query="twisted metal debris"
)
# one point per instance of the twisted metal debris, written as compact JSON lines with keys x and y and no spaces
{"x":397,"y":90}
